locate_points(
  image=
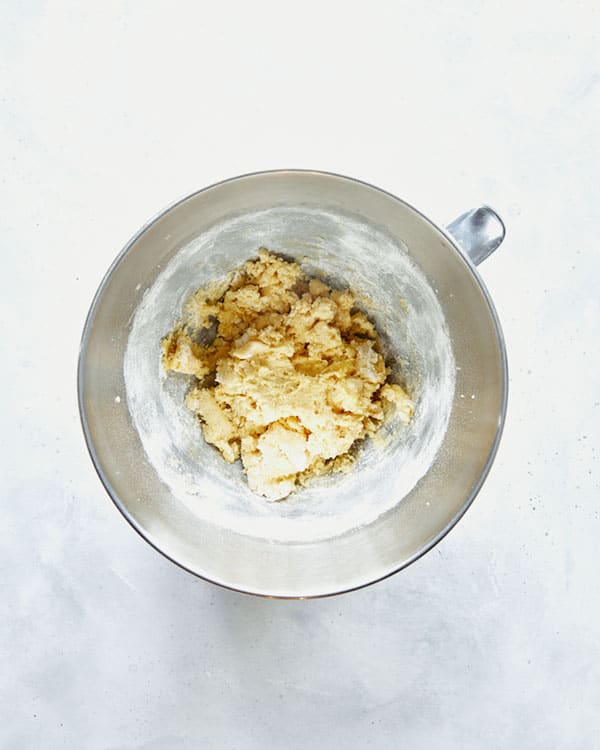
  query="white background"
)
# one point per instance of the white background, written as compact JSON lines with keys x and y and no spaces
{"x":109,"y":111}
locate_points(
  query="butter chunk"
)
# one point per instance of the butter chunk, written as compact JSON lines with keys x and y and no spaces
{"x":395,"y":394}
{"x":219,"y":429}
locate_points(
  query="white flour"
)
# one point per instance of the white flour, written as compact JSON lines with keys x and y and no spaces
{"x":409,"y":319}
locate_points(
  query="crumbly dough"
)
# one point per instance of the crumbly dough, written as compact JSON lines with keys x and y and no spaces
{"x":288,"y":372}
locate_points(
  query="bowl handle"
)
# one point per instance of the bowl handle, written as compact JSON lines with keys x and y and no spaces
{"x":477,"y":233}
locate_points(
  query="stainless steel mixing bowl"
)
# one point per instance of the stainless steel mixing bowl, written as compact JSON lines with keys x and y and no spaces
{"x":439,"y":328}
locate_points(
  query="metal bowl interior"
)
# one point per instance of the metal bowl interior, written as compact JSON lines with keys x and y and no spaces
{"x":343,"y":533}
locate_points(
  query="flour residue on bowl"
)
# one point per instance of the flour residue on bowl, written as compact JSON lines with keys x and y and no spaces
{"x":346,"y":253}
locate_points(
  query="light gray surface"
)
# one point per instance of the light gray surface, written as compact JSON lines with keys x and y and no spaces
{"x":107,"y":114}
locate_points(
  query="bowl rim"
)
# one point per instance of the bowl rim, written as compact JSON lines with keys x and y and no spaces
{"x":81,"y":383}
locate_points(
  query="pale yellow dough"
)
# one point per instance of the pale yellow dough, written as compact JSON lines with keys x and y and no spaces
{"x":289,"y":373}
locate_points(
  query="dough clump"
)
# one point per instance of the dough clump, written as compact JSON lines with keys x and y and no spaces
{"x":289,"y":373}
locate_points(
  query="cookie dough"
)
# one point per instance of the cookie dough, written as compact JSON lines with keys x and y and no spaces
{"x":289,"y":373}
